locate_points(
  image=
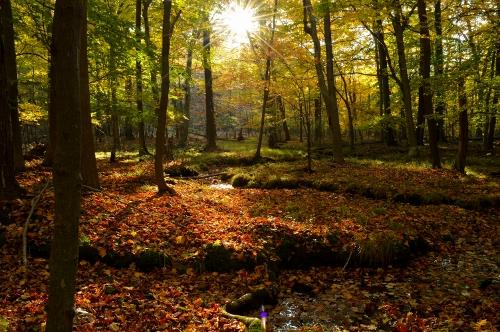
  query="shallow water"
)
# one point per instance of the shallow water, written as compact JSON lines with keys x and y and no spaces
{"x":221,"y":186}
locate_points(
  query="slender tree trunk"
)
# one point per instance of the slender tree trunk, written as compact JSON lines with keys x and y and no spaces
{"x":425,"y":92}
{"x":184,"y":134}
{"x":89,"y":165}
{"x":301,"y":121}
{"x":162,"y":110}
{"x":317,"y":121}
{"x":348,"y":106}
{"x":338,"y":154}
{"x":307,"y":114}
{"x":149,"y":48}
{"x":282,"y":110}
{"x":463,"y":122}
{"x":267,"y":83}
{"x":11,"y":75}
{"x":115,"y":118}
{"x":143,"y":150}
{"x":68,"y":20}
{"x":439,"y":71}
{"x":492,"y":123}
{"x":272,"y":130}
{"x":388,"y":131}
{"x":405,"y":80}
{"x":327,"y":87}
{"x":211,"y":129}
{"x":9,"y":187}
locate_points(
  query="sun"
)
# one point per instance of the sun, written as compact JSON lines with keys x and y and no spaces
{"x":237,"y":22}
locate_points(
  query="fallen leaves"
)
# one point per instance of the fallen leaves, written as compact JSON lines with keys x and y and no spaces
{"x":445,"y":289}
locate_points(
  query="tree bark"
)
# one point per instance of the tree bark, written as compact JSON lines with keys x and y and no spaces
{"x":11,"y":75}
{"x":143,"y":150}
{"x":463,"y":122}
{"x":327,"y":87}
{"x":149,"y":48}
{"x":425,"y":91}
{"x":388,"y":131}
{"x":68,"y":20}
{"x":281,"y":106}
{"x":399,"y":27}
{"x":348,"y":105}
{"x":301,"y":121}
{"x":267,"y":83}
{"x":162,"y":110}
{"x":9,"y":187}
{"x":89,"y":165}
{"x":49,"y":154}
{"x":492,"y":121}
{"x":184,"y":130}
{"x":115,"y":118}
{"x":211,"y":130}
{"x":439,"y":71}
{"x":318,"y":132}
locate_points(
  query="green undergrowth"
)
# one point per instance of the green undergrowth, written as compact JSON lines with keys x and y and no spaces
{"x":411,"y":183}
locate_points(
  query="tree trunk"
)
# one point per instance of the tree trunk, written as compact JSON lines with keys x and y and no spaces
{"x":68,"y":20}
{"x":327,"y":87}
{"x":162,"y":110}
{"x":143,"y":150}
{"x":267,"y":83}
{"x":317,"y":122}
{"x":11,"y":81}
{"x":9,"y":187}
{"x":115,"y":118}
{"x":348,"y":105}
{"x":152,"y":58}
{"x":463,"y":122}
{"x":184,"y":130}
{"x":492,"y":122}
{"x":211,"y":130}
{"x":89,"y":165}
{"x":273,"y":137}
{"x":301,"y":121}
{"x":281,"y":106}
{"x":404,"y":78}
{"x":307,"y":114}
{"x":49,"y":154}
{"x":439,"y":71}
{"x":388,"y":131}
{"x":424,"y":91}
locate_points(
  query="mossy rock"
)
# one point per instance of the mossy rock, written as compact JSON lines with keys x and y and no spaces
{"x":150,"y":259}
{"x":218,"y":258}
{"x":180,"y":171}
{"x":298,"y":253}
{"x":226,"y":176}
{"x":240,"y":180}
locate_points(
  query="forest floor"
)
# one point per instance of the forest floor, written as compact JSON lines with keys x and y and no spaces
{"x":366,"y":245}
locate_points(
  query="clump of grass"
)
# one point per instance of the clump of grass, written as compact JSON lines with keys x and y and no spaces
{"x":240,"y":180}
{"x":380,"y":249}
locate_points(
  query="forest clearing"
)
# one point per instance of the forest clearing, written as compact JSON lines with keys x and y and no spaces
{"x":338,"y":255}
{"x":249,"y":165}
